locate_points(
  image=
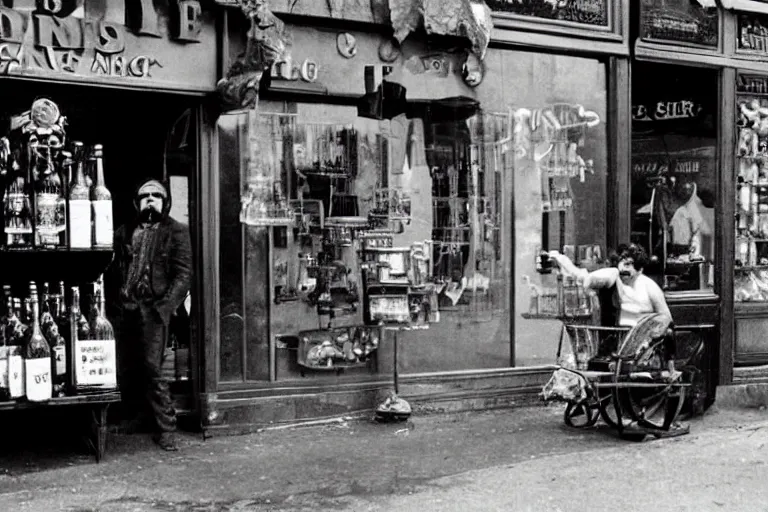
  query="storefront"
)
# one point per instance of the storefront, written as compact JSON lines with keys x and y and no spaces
{"x":130,"y":77}
{"x":412,"y":183}
{"x":582,"y":126}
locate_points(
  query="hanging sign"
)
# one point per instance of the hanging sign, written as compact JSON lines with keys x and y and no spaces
{"x":110,"y":40}
{"x":588,"y":12}
{"x":679,"y":21}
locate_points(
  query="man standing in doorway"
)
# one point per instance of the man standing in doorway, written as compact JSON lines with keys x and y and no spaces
{"x":155,"y":262}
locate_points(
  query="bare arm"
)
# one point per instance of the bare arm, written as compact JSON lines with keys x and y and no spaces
{"x":601,"y":278}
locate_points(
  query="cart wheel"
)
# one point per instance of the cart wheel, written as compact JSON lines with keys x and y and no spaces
{"x":607,"y":408}
{"x":654,"y":408}
{"x":580,"y":415}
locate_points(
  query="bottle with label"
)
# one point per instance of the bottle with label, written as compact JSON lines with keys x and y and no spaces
{"x":37,"y":356}
{"x":80,"y":207}
{"x":50,"y":227}
{"x":101,"y":200}
{"x":7,"y":313}
{"x":58,"y":360}
{"x":15,"y":337}
{"x":103,"y":343}
{"x":17,"y":218}
{"x":101,"y":327}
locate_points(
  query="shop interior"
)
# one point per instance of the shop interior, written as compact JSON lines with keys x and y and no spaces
{"x":144,"y":134}
{"x":674,"y":173}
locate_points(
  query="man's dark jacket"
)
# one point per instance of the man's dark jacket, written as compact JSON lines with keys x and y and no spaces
{"x":170,"y":266}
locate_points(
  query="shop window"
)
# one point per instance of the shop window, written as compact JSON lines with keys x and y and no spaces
{"x":751,"y":251}
{"x":560,"y":174}
{"x":752,"y":35}
{"x":679,"y":21}
{"x":674,"y":173}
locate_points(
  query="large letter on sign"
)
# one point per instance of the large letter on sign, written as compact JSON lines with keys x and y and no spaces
{"x":141,"y":17}
{"x":186,"y":21}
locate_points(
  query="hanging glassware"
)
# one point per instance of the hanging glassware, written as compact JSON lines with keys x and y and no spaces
{"x":264,"y":202}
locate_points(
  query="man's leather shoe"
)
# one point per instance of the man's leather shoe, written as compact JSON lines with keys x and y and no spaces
{"x":166,"y":441}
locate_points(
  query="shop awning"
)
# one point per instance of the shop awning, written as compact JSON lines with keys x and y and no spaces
{"x":760,"y":6}
{"x":470,"y":19}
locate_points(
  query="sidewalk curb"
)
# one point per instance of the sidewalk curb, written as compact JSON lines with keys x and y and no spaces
{"x":752,"y":396}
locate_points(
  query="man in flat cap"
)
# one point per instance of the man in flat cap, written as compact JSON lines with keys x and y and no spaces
{"x":155,"y":266}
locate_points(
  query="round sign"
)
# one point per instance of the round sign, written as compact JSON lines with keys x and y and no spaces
{"x":346,"y":44}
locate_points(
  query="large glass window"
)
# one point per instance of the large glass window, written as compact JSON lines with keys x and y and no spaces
{"x":674,"y":173}
{"x":560,"y":188}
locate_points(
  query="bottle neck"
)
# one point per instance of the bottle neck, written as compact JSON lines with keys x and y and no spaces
{"x":100,"y":172}
{"x":80,"y":174}
{"x":34,"y":316}
{"x":76,"y":303}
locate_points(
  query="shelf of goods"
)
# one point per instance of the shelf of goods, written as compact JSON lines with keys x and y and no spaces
{"x":57,"y":231}
{"x":751,"y":216}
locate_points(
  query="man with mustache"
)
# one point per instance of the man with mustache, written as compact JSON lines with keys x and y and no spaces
{"x":637,"y":294}
{"x":155,"y":262}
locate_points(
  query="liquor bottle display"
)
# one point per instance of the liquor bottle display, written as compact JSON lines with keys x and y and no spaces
{"x":55,"y":202}
{"x":50,"y":199}
{"x":54,"y":350}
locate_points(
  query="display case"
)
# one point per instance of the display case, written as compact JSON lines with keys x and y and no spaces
{"x":751,"y":216}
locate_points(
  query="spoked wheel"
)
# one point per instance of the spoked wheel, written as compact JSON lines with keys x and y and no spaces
{"x":652,"y":407}
{"x":580,"y":415}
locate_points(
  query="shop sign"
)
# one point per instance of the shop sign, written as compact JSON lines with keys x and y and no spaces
{"x":680,"y":21}
{"x":55,"y":37}
{"x":666,"y":111}
{"x":285,"y":69}
{"x":588,"y":12}
{"x":753,"y":33}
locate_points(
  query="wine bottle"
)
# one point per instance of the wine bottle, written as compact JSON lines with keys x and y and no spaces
{"x":15,"y":334}
{"x":101,"y":199}
{"x":61,"y":306}
{"x":81,"y":322}
{"x":102,"y":342}
{"x":58,"y":360}
{"x":46,"y":317}
{"x":101,"y":327}
{"x":17,"y":214}
{"x":8,"y":311}
{"x":37,"y":356}
{"x":48,"y":200}
{"x":80,"y":331}
{"x":79,"y":206}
